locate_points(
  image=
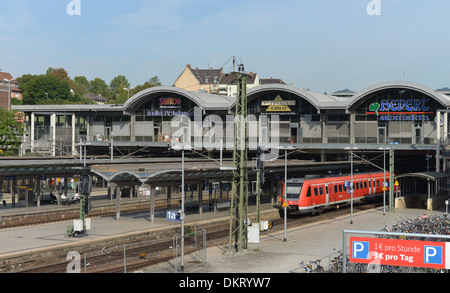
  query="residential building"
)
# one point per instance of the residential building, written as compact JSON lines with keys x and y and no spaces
{"x":9,"y":88}
{"x":228,"y":84}
{"x":214,"y":81}
{"x":195,"y":80}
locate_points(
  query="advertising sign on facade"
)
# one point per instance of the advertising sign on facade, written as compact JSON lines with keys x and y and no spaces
{"x":401,"y":109}
{"x":169,"y":102}
{"x":412,"y":253}
{"x":278,"y":105}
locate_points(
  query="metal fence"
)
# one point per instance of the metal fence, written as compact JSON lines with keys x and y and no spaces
{"x":163,"y":254}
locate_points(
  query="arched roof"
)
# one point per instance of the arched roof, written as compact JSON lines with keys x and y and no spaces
{"x":130,"y":175}
{"x":318,"y":100}
{"x":204,"y":100}
{"x":425,"y":175}
{"x":444,"y":100}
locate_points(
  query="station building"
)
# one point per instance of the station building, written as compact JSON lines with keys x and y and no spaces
{"x":407,"y":117}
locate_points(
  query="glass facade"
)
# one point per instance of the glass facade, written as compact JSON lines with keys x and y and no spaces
{"x":398,"y":115}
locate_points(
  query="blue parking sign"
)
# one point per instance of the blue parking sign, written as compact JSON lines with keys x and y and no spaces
{"x":360,"y":249}
{"x":432,"y":254}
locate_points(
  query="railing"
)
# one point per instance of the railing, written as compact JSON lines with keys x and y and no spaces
{"x":134,"y":257}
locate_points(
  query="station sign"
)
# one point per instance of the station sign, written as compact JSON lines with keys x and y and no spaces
{"x":410,"y":253}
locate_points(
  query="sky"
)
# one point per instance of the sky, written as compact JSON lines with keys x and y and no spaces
{"x":322,"y":45}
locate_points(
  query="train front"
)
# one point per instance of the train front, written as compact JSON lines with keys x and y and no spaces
{"x":293,"y":195}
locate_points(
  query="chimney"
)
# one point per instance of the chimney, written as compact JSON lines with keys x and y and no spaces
{"x":188,"y":65}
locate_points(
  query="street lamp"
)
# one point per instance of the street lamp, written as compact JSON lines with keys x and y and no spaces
{"x":384,"y":177}
{"x":128,"y":89}
{"x":182,"y":216}
{"x":351,"y":181}
{"x":285,"y":188}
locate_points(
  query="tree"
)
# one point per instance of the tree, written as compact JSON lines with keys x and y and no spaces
{"x":153,"y":81}
{"x":99,"y":86}
{"x":11,"y":131}
{"x":82,"y":81}
{"x":119,"y":82}
{"x":44,"y":89}
{"x":59,"y":73}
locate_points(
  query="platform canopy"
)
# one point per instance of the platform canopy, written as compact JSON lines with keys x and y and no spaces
{"x":425,"y":175}
{"x":22,"y":172}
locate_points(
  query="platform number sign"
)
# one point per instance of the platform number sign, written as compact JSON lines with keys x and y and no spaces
{"x":172,"y":216}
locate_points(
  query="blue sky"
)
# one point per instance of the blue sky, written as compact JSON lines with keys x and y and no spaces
{"x":323,"y":45}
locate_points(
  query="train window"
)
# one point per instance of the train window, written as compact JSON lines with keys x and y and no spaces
{"x":326,"y":189}
{"x":294,"y":189}
{"x":320,"y":190}
{"x":378,"y":183}
{"x":360,"y":185}
{"x":357,"y":185}
{"x":335,"y":188}
{"x":340,"y":187}
{"x":370,"y":185}
{"x":308,"y":194}
{"x":365,"y":184}
{"x":315,"y":190}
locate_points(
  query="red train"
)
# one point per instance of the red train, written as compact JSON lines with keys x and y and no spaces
{"x":305,"y":195}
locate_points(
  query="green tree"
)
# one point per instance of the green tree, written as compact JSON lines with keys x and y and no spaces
{"x":11,"y":132}
{"x":82,"y":81}
{"x":99,"y":86}
{"x":43,"y":89}
{"x":119,"y":82}
{"x":59,"y":73}
{"x":153,"y":81}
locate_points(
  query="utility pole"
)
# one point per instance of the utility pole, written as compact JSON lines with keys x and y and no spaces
{"x":259,"y":181}
{"x":239,"y":194}
{"x":391,"y":180}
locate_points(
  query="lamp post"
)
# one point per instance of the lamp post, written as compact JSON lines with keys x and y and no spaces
{"x":285,"y":189}
{"x":9,"y":92}
{"x":351,"y":181}
{"x":128,"y":89}
{"x":384,"y":178}
{"x":182,"y":216}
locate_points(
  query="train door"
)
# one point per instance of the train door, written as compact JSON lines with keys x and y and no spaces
{"x":327,"y":195}
{"x":374,"y":186}
{"x":370,"y":187}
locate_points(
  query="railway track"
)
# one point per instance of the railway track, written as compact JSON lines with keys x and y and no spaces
{"x":147,"y":253}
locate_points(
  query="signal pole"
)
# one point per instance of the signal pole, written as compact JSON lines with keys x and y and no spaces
{"x":391,"y":180}
{"x":239,"y":194}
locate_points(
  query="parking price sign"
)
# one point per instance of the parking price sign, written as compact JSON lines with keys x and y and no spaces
{"x":412,"y":253}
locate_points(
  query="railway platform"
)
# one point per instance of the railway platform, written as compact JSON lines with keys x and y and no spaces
{"x":305,"y":243}
{"x":41,"y":236}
